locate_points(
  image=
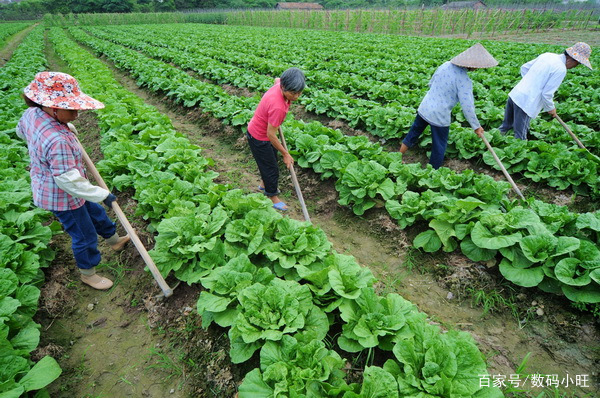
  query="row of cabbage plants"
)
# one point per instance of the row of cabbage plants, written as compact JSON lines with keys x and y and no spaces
{"x":9,"y":29}
{"x":558,"y":164}
{"x":544,"y":245}
{"x":381,"y":68}
{"x":25,"y":234}
{"x":273,"y":281}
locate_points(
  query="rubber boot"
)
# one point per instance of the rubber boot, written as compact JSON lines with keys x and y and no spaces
{"x":89,"y":277}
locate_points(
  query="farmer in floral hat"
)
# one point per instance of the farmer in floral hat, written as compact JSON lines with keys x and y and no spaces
{"x":262,"y":131}
{"x":534,"y":93}
{"x":58,"y":178}
{"x":450,"y":84}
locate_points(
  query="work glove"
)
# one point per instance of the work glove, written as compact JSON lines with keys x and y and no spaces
{"x":109,"y":199}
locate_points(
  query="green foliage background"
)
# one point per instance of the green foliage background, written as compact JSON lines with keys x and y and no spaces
{"x":35,"y":9}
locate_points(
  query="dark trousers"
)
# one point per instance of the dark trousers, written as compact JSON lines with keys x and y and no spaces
{"x":265,"y":155}
{"x":515,"y":118}
{"x":439,"y":136}
{"x":84,"y":225}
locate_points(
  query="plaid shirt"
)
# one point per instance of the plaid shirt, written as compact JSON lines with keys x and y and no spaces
{"x":53,"y":150}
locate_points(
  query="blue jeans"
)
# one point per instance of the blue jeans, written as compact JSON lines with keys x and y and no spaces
{"x":515,"y":118}
{"x":439,"y":136}
{"x":84,"y":225}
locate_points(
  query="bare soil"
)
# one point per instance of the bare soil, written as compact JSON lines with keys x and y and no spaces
{"x":555,"y":36}
{"x":131,"y":344}
{"x":12,"y":43}
{"x":558,"y":37}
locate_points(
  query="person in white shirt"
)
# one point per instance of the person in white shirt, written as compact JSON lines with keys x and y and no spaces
{"x":535,"y":92}
{"x":449,"y":85}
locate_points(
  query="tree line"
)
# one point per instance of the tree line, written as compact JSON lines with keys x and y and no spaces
{"x":35,"y":9}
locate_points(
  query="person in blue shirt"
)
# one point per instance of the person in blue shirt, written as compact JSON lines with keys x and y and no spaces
{"x":449,"y":85}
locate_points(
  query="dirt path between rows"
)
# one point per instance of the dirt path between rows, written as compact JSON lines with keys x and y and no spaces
{"x":12,"y":44}
{"x":109,"y":348}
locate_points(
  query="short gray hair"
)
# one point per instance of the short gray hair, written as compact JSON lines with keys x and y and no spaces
{"x":292,"y":80}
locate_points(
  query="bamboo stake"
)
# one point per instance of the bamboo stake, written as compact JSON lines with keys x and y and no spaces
{"x":167,"y":291}
{"x":588,"y":20}
{"x":508,"y":177}
{"x":295,"y":181}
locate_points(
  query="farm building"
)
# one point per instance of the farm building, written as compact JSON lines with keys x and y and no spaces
{"x":298,"y":6}
{"x":459,"y":5}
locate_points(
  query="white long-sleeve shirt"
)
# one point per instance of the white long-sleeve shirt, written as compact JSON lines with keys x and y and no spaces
{"x":449,"y":85}
{"x":73,"y":183}
{"x":541,"y":78}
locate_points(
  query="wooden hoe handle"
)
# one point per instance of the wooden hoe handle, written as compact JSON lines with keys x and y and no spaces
{"x":508,"y":177}
{"x":167,"y":291}
{"x":295,"y":181}
{"x":570,"y":132}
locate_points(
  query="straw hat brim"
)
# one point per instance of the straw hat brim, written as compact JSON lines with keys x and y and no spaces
{"x":475,"y":56}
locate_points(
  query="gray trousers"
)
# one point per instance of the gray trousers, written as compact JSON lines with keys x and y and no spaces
{"x":515,"y":118}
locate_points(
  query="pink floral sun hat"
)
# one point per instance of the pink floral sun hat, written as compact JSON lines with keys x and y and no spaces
{"x":59,"y":90}
{"x":581,"y":52}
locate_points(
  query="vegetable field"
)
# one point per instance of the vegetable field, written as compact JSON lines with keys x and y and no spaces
{"x":300,"y":316}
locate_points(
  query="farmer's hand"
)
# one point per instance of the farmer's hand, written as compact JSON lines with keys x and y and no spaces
{"x":288,"y":160}
{"x":109,"y":199}
{"x":552,"y":112}
{"x":479,"y":131}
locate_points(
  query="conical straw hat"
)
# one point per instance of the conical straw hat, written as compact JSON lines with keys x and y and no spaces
{"x":475,"y":57}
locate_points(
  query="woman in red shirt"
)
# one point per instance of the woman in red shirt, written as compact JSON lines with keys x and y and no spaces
{"x":263,"y":127}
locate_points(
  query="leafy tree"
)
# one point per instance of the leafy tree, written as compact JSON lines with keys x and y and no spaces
{"x":117,"y":5}
{"x":164,"y":5}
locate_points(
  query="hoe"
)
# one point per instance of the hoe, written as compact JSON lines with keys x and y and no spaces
{"x":167,"y":291}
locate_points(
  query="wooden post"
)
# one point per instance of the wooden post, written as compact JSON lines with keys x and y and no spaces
{"x":588,"y":20}
{"x":507,"y":29}
{"x":403,"y":20}
{"x":465,"y":23}
{"x":576,"y":20}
